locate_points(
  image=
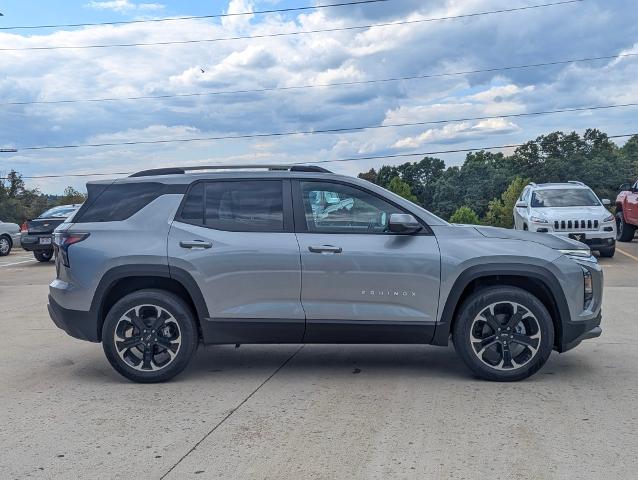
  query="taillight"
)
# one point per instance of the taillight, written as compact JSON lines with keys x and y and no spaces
{"x":63,"y":240}
{"x":24,"y":228}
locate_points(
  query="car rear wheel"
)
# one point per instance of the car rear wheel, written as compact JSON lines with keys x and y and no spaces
{"x":624,"y":231}
{"x":5,"y":245}
{"x":149,"y":336}
{"x":43,"y":255}
{"x":503,"y":334}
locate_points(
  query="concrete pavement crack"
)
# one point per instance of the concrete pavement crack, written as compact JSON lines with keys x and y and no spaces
{"x":221,"y":422}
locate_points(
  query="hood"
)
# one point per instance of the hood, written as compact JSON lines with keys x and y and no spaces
{"x":571,"y":213}
{"x":547,"y":239}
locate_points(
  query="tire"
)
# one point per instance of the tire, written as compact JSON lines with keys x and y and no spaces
{"x":43,"y":256}
{"x":624,"y":231}
{"x":490,"y":361}
{"x":5,"y":245}
{"x":607,"y":252}
{"x":178,"y":332}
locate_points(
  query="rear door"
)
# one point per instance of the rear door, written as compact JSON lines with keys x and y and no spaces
{"x":235,"y":238}
{"x":361,"y":283}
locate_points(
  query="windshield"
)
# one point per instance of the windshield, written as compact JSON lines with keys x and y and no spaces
{"x":59,"y":212}
{"x":568,"y":197}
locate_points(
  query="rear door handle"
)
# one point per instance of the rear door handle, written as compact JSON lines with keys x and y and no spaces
{"x":195,"y":244}
{"x":325,"y":249}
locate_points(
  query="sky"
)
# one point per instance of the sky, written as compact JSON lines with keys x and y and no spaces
{"x":590,"y":28}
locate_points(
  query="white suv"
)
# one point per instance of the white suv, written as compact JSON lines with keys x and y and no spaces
{"x":569,"y":209}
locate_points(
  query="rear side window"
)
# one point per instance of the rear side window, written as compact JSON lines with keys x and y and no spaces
{"x":236,"y":206}
{"x":59,"y":212}
{"x":120,"y":201}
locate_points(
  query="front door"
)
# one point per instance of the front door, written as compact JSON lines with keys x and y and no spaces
{"x":361,"y":283}
{"x":235,"y":239}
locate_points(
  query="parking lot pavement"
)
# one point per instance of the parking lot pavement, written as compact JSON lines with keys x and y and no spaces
{"x":314,"y":411}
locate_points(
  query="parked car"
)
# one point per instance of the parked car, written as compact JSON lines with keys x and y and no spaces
{"x":627,"y":212}
{"x":9,"y":237}
{"x":37,"y":234}
{"x":569,"y":209}
{"x":153,"y":264}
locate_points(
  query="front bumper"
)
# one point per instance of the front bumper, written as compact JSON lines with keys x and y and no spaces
{"x":15,"y":239}
{"x":576,"y":332}
{"x":78,"y":324}
{"x":596,"y":243}
{"x":31,"y":243}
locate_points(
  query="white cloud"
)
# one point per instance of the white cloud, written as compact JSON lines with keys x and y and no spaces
{"x":124,"y":6}
{"x":236,"y":22}
{"x":457,"y":132}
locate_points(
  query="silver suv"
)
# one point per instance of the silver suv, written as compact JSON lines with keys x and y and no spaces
{"x":154,"y":264}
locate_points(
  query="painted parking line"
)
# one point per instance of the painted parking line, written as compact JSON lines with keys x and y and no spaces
{"x":16,"y":263}
{"x":627,"y":254}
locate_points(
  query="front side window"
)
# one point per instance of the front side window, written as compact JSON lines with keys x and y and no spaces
{"x":236,"y":206}
{"x":567,"y":197}
{"x":338,"y":208}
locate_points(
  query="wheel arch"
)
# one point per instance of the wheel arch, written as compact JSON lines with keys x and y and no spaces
{"x":535,"y":279}
{"x":8,"y":237}
{"x":122,"y":280}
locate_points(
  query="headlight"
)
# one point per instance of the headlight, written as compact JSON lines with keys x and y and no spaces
{"x":577,"y":253}
{"x":588,"y":287}
{"x":536,"y":219}
{"x":608,"y":219}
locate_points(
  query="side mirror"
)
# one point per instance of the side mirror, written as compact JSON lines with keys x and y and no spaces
{"x":521,"y":204}
{"x":606,"y":202}
{"x":403,"y":223}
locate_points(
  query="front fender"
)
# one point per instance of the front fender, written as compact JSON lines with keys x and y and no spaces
{"x":449,"y":304}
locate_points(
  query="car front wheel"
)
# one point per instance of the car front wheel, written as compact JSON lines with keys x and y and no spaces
{"x":624,"y":231}
{"x":607,"y":252}
{"x":503,"y":333}
{"x":149,"y":336}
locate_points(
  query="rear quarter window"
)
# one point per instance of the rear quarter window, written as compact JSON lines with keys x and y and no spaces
{"x":118,"y":202}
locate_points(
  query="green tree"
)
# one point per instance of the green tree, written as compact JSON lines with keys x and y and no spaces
{"x":15,"y":184}
{"x":71,"y":195}
{"x":401,"y":188}
{"x":420,"y":177}
{"x":465,"y":215}
{"x":371,"y":175}
{"x":500,"y":210}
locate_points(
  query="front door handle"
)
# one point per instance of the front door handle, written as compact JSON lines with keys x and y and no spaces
{"x":325,"y":249}
{"x":195,"y":244}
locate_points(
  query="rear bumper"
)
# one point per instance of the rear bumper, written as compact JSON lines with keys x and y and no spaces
{"x":576,"y":332}
{"x":78,"y":324}
{"x":15,"y":239}
{"x":31,"y":243}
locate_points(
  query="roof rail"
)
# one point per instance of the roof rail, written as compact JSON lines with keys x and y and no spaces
{"x":183,"y":170}
{"x":576,"y":182}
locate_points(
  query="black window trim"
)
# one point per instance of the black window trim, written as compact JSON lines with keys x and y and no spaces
{"x":286,"y":199}
{"x":301,"y":225}
{"x":93,"y":199}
